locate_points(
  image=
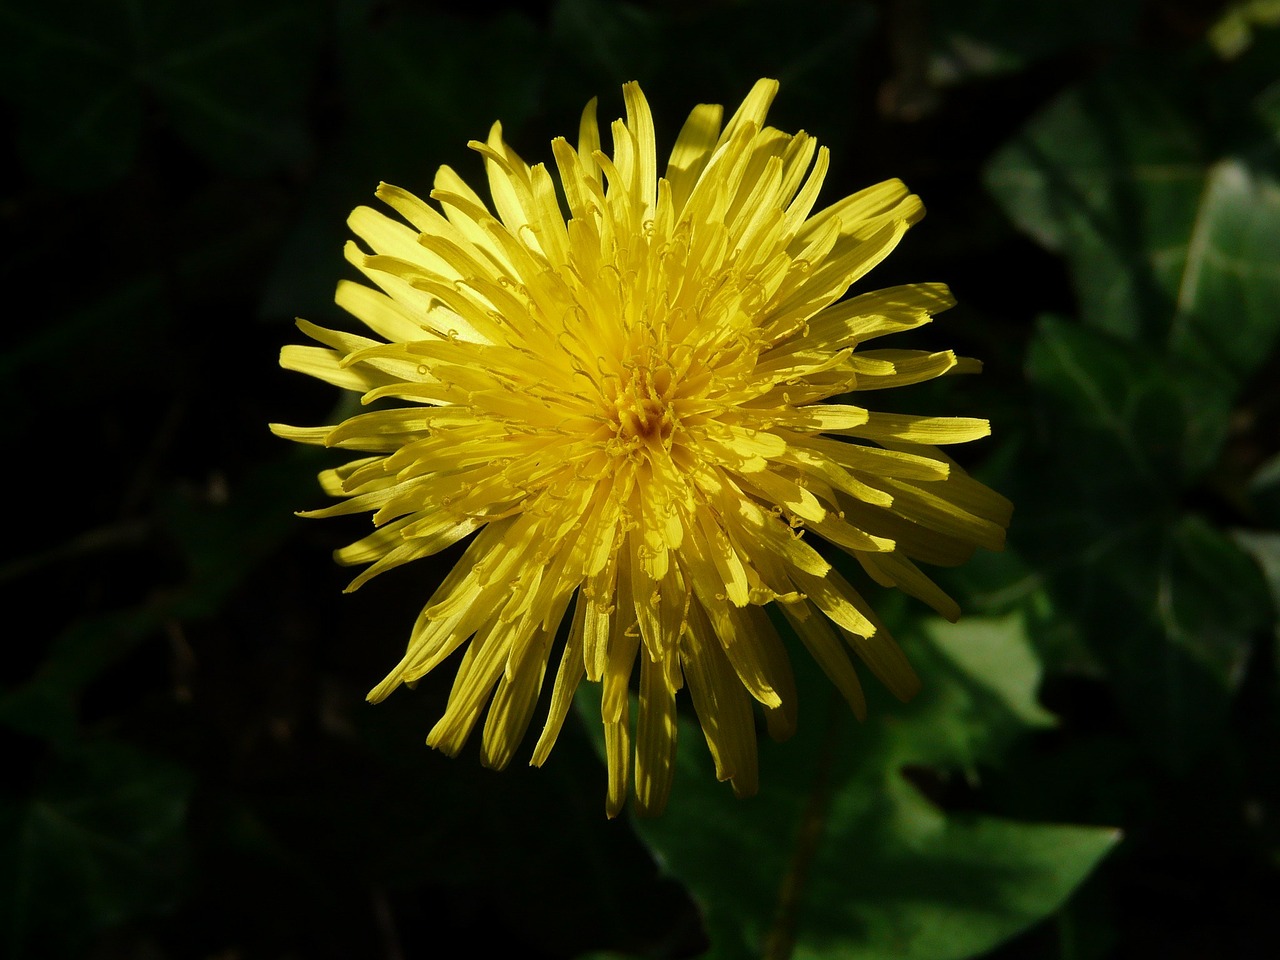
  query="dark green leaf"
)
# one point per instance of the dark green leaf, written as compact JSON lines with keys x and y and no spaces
{"x":65,"y":68}
{"x":1264,"y":492}
{"x":419,"y":85}
{"x":1227,"y":302}
{"x":98,"y":843}
{"x":1129,"y":427}
{"x":1109,"y":175}
{"x":602,"y":44}
{"x":46,"y":705}
{"x":1174,"y":614}
{"x":225,"y":542}
{"x":221,"y":545}
{"x":1001,"y":36}
{"x":840,"y":856}
{"x":1163,"y":246}
{"x":948,"y":887}
{"x":232,"y":77}
{"x":1159,"y":595}
{"x":1264,"y":547}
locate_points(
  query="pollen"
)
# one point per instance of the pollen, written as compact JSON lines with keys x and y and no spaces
{"x":640,"y":407}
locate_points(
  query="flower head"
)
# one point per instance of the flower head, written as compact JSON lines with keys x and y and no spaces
{"x":626,"y":412}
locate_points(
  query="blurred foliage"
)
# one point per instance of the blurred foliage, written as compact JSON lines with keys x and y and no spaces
{"x":1091,"y":770}
{"x":231,"y":77}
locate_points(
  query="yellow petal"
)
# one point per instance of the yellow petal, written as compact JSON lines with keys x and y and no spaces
{"x":629,"y":408}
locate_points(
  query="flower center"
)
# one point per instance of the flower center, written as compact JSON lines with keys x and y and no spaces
{"x":641,"y":409}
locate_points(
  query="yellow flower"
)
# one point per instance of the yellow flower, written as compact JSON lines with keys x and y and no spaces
{"x":625,"y":411}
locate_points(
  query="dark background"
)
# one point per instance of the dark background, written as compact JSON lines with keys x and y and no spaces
{"x":190,"y":767}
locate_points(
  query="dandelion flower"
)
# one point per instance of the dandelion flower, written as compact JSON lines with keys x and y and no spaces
{"x":626,"y":411}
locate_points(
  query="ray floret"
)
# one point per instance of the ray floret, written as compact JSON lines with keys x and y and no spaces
{"x":641,"y":408}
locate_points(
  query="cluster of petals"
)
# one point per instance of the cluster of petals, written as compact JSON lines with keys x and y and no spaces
{"x":626,"y":411}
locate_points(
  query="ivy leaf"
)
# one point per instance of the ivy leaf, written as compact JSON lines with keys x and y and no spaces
{"x":1231,"y":284}
{"x":1140,"y":430}
{"x":842,"y":855}
{"x":1158,"y":594}
{"x":1165,"y":246}
{"x":1109,"y":175}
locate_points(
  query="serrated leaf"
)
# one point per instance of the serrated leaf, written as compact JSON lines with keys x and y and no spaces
{"x":1173,"y":612}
